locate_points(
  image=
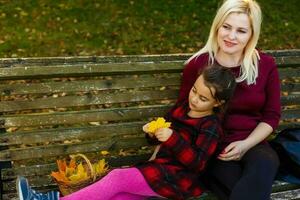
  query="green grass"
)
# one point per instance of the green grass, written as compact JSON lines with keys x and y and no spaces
{"x":108,"y":27}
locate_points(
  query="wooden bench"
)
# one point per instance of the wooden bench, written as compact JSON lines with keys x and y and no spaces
{"x":53,"y":107}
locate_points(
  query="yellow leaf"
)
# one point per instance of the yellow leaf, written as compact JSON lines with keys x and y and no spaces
{"x":156,"y":124}
{"x":104,"y":153}
{"x":80,"y":174}
{"x":69,"y":171}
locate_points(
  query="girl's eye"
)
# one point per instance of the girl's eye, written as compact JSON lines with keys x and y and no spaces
{"x":202,"y":99}
{"x":241,"y":31}
{"x":194,"y":90}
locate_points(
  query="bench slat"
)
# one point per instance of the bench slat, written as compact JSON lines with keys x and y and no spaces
{"x":11,"y":62}
{"x":73,"y":117}
{"x":102,"y":115}
{"x":38,"y":72}
{"x":290,"y":100}
{"x":99,"y":85}
{"x":290,"y":87}
{"x":89,"y":99}
{"x":89,"y":85}
{"x":291,"y":194}
{"x":290,"y":114}
{"x":62,"y":134}
{"x":287,"y":72}
{"x":287,"y":60}
{"x":111,"y":144}
{"x":106,"y":98}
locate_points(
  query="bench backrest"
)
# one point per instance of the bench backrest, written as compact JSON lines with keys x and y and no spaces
{"x":53,"y":107}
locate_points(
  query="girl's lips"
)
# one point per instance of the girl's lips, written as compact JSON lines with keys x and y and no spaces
{"x":191,"y":105}
{"x":229,"y":44}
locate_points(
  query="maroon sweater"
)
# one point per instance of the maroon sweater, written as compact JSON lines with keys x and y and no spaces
{"x":250,"y":104}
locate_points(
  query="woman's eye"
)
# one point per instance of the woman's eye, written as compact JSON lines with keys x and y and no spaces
{"x":241,"y":31}
{"x":225,"y":27}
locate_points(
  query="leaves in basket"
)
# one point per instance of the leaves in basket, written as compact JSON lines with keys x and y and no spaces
{"x":73,"y":173}
{"x":100,"y":167}
{"x":78,"y":174}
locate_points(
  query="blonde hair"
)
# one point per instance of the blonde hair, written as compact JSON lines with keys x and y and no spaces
{"x":249,"y":66}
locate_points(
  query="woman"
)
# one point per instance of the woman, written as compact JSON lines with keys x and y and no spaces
{"x":246,"y":165}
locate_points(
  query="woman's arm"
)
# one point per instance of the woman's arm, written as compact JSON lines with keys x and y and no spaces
{"x":270,"y":116}
{"x":236,"y":150}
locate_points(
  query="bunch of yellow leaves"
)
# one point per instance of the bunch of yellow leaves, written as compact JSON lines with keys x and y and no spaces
{"x":73,"y":173}
{"x":100,"y":167}
{"x":158,"y":123}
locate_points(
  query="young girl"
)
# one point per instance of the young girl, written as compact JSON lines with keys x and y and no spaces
{"x":185,"y":148}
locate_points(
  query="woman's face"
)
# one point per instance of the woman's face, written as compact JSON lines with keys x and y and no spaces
{"x":234,"y":34}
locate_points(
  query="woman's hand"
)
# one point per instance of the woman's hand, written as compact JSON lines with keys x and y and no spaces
{"x":234,"y":151}
{"x":163,"y":134}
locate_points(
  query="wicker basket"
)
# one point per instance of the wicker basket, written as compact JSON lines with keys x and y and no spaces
{"x":68,"y":188}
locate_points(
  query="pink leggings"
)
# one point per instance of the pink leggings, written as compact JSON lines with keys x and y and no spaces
{"x":119,"y":184}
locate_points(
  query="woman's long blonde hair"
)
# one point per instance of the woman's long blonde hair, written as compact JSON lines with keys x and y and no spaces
{"x":249,"y":66}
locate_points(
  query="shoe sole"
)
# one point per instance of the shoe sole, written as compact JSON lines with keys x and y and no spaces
{"x":18,"y":186}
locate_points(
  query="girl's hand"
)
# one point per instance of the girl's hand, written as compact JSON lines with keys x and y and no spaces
{"x":145,"y":129}
{"x":163,"y":134}
{"x":234,"y":151}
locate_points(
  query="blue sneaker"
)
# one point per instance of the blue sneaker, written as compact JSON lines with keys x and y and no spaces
{"x":26,"y":193}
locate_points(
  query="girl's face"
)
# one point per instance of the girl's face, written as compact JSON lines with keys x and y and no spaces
{"x":201,"y":100}
{"x":234,"y":34}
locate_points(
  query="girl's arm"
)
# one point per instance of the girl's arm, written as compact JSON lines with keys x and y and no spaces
{"x":194,"y":157}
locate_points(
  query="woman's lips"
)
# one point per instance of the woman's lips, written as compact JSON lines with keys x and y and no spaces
{"x":229,"y":44}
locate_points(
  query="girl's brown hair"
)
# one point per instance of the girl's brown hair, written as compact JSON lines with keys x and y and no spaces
{"x":222,"y":80}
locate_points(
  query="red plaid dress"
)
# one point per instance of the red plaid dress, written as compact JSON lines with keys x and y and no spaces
{"x":175,"y":172}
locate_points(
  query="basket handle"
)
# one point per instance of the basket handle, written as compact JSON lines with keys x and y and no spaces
{"x":88,"y":163}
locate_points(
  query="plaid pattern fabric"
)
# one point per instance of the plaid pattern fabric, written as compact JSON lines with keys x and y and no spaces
{"x":175,"y":171}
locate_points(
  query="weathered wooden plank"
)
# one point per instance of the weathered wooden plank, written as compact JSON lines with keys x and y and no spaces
{"x":290,"y":100}
{"x":96,"y":115}
{"x":78,"y":133}
{"x":291,"y":114}
{"x":290,"y":87}
{"x":66,"y":149}
{"x":279,"y":186}
{"x":10,"y":196}
{"x":172,"y":79}
{"x":106,"y":97}
{"x":105,"y":69}
{"x":74,"y":117}
{"x":285,"y":125}
{"x":291,"y":194}
{"x":10,"y":62}
{"x":90,"y":85}
{"x":288,"y":60}
{"x":39,"y":72}
{"x":289,"y":73}
{"x":14,"y":62}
